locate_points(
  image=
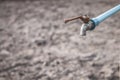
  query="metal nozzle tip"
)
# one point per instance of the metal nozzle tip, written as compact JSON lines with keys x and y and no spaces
{"x":85,"y":27}
{"x":83,"y":30}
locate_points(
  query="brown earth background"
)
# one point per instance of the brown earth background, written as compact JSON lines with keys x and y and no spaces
{"x":35,"y":44}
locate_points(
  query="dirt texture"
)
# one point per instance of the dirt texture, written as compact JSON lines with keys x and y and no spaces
{"x":35,"y":44}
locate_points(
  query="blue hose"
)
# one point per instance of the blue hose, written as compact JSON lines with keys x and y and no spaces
{"x":105,"y":15}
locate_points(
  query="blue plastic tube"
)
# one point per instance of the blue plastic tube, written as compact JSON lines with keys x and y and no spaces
{"x":105,"y":15}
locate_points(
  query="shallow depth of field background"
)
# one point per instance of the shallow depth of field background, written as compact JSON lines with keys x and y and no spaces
{"x":35,"y":44}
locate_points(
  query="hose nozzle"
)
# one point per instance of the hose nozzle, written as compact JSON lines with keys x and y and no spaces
{"x":87,"y":24}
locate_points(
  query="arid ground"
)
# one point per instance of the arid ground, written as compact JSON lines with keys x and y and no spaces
{"x":35,"y":44}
